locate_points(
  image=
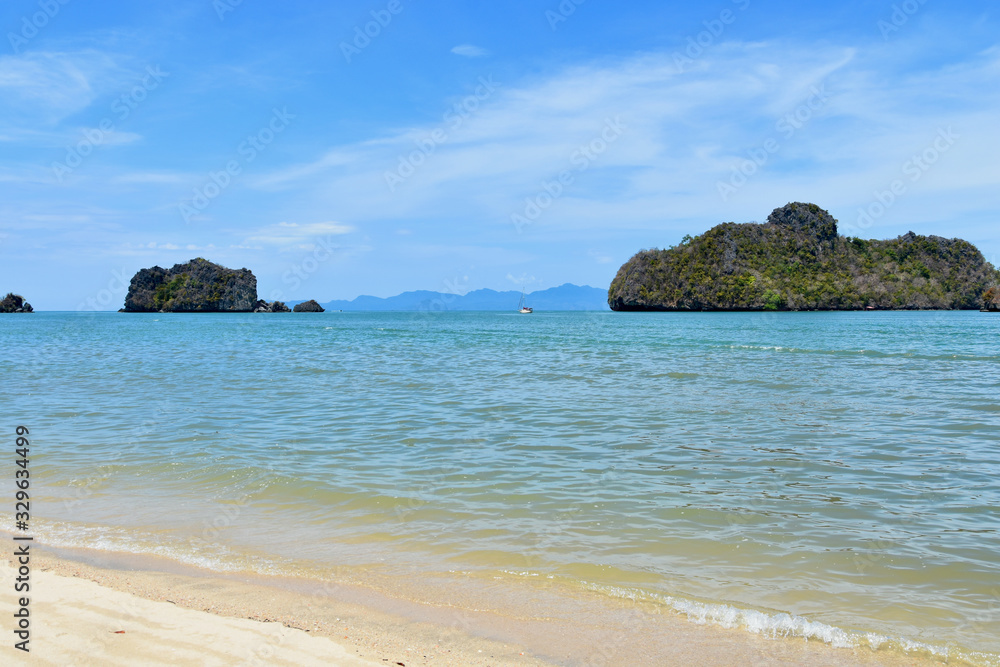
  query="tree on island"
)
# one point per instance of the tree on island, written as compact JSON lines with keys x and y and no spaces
{"x":798,"y":261}
{"x":991,"y":300}
{"x":15,"y":303}
{"x":198,"y":286}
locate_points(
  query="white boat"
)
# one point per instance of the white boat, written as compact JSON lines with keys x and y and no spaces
{"x":521,"y":308}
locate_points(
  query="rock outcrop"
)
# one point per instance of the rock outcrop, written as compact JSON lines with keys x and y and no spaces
{"x":797,"y":261}
{"x":310,"y":306}
{"x":806,"y":219}
{"x":991,"y":300}
{"x":199,"y":286}
{"x":270,"y":307}
{"x":15,"y":303}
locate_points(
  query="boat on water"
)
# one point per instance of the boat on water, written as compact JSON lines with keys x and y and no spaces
{"x":521,"y":307}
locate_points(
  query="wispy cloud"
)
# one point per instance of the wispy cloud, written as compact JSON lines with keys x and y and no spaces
{"x":155,"y":248}
{"x":685,"y":132}
{"x":46,"y":218}
{"x":148,"y":177}
{"x":45,"y":87}
{"x":295,"y":236}
{"x":470,"y":51}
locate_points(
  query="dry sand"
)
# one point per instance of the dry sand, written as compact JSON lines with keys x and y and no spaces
{"x":83,"y":614}
{"x":79,"y":622}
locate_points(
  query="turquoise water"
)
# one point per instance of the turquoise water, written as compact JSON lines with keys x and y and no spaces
{"x":829,"y":475}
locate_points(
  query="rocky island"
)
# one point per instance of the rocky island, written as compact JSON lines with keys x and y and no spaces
{"x":262,"y":306}
{"x":199,"y":286}
{"x":310,"y":306}
{"x":797,"y":261}
{"x":15,"y":303}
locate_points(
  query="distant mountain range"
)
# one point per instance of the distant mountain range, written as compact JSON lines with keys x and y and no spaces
{"x":564,"y":297}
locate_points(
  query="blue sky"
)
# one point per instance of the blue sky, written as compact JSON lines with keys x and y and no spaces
{"x":339,"y":149}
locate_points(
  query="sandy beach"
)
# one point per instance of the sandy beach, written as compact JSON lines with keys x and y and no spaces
{"x":449,"y":333}
{"x":79,"y":622}
{"x":85,"y":614}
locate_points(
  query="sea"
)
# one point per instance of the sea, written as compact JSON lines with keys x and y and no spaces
{"x":830,"y":476}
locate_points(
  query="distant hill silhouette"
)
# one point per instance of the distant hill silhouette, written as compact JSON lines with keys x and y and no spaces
{"x":564,"y":297}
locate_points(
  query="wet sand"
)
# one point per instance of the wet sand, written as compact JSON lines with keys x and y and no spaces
{"x":94,"y":608}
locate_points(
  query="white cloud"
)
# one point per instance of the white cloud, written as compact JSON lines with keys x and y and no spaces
{"x":56,"y":218}
{"x":150,"y":178}
{"x":295,"y":236}
{"x":684,"y":132}
{"x":141,"y":248}
{"x":522,"y":280}
{"x":114,"y":138}
{"x":470,"y":51}
{"x":600,"y":257}
{"x":45,"y":87}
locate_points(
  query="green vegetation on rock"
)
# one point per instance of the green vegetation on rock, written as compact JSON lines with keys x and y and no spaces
{"x":197,"y":286}
{"x":991,"y":299}
{"x":797,"y":261}
{"x":15,"y":303}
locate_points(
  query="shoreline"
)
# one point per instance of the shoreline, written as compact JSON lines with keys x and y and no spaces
{"x":245,"y":616}
{"x":274,"y":624}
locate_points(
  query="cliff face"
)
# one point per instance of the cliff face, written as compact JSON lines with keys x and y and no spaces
{"x":991,"y":300}
{"x":15,"y":303}
{"x":199,"y":286}
{"x":797,"y":261}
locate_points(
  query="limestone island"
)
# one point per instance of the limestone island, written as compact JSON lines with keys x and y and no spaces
{"x":797,"y":261}
{"x":199,"y":286}
{"x":310,"y":306}
{"x":15,"y":303}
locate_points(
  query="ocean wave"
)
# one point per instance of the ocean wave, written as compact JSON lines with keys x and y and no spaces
{"x":199,"y":551}
{"x":782,"y":625}
{"x":866,"y":353}
{"x":208,"y":553}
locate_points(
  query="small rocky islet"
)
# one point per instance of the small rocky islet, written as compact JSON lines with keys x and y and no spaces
{"x":261,"y":306}
{"x":310,"y":306}
{"x":198,"y":286}
{"x":15,"y":303}
{"x":798,"y":261}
